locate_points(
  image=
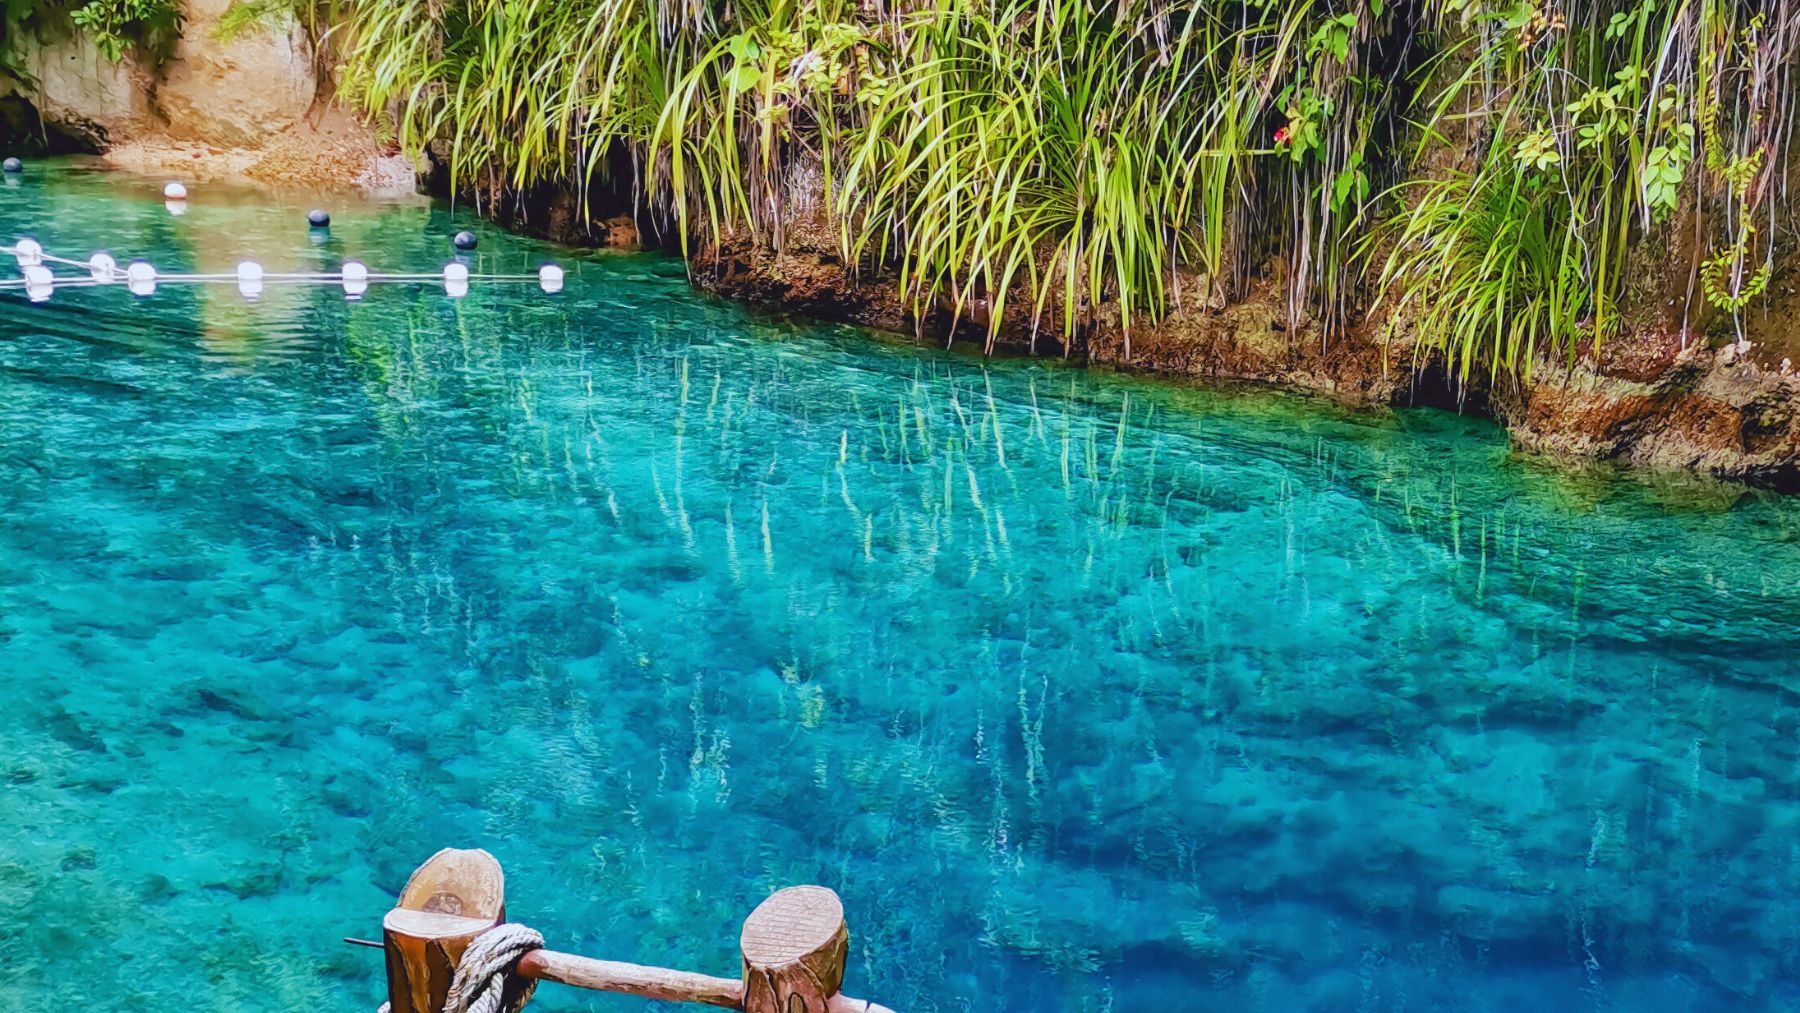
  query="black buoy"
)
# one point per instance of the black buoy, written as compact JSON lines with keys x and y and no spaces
{"x":12,"y":165}
{"x":464,"y":240}
{"x":317,"y":218}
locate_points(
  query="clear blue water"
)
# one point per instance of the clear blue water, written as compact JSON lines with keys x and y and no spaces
{"x":1088,"y":694}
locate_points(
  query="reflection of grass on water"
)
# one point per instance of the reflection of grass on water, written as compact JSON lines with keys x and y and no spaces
{"x":1124,"y":680}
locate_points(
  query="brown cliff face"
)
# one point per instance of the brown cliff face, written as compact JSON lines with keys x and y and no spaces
{"x":1711,"y":411}
{"x":239,"y":105}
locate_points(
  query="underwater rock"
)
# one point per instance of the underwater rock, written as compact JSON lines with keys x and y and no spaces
{"x":1499,"y":916}
{"x":247,"y":883}
{"x":1335,"y":989}
{"x":226,"y":703}
{"x":1732,"y":969}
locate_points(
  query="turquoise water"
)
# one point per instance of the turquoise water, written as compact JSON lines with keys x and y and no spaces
{"x":1088,"y":694}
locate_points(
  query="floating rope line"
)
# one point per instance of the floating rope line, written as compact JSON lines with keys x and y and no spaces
{"x":142,"y":279}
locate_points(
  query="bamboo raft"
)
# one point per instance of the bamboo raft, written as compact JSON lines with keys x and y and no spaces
{"x":794,"y":947}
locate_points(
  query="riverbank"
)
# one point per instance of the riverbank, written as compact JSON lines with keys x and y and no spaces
{"x":1717,"y":411}
{"x":327,"y":150}
{"x":1653,"y":398}
{"x":1650,"y":402}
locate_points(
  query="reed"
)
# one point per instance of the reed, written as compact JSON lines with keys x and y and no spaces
{"x":1479,"y":174}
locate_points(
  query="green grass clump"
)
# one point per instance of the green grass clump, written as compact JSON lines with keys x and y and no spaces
{"x":1480,"y":171}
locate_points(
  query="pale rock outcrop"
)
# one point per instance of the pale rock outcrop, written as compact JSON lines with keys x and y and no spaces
{"x":240,"y":90}
{"x":82,"y":92}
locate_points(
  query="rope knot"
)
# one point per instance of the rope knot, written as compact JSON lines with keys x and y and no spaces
{"x":487,"y":979}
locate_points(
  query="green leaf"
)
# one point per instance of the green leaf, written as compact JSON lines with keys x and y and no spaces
{"x":744,"y":77}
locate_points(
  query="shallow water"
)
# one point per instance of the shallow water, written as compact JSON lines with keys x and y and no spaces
{"x":1087,"y":694}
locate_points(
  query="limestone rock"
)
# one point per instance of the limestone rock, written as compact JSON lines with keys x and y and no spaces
{"x":241,"y":90}
{"x":1709,"y":411}
{"x":82,"y":92}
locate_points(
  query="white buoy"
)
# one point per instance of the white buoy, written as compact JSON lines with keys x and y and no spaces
{"x":39,"y":282}
{"x":28,"y":252}
{"x":174,"y":191}
{"x":103,"y":267}
{"x":250,"y":279}
{"x":456,"y":280}
{"x":550,"y":278}
{"x":140,"y":278}
{"x":176,"y":207}
{"x":356,"y":279}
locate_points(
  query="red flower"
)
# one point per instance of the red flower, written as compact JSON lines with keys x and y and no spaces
{"x":1282,"y":136}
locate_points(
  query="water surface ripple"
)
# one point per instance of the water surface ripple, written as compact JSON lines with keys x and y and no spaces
{"x":1088,"y":694}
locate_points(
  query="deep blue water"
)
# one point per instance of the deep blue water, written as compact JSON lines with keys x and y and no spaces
{"x":1086,"y":693}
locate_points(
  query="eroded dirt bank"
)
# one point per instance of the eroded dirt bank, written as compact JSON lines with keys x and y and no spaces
{"x":1651,"y":403}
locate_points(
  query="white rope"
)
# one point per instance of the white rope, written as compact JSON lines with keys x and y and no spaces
{"x":64,"y":281}
{"x":485,"y":980}
{"x":250,"y":277}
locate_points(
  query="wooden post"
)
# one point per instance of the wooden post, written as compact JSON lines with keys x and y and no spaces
{"x":454,"y":897}
{"x":794,"y":946}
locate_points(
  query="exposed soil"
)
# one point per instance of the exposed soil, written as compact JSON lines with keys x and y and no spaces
{"x":1717,"y":412}
{"x":330,"y":149}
